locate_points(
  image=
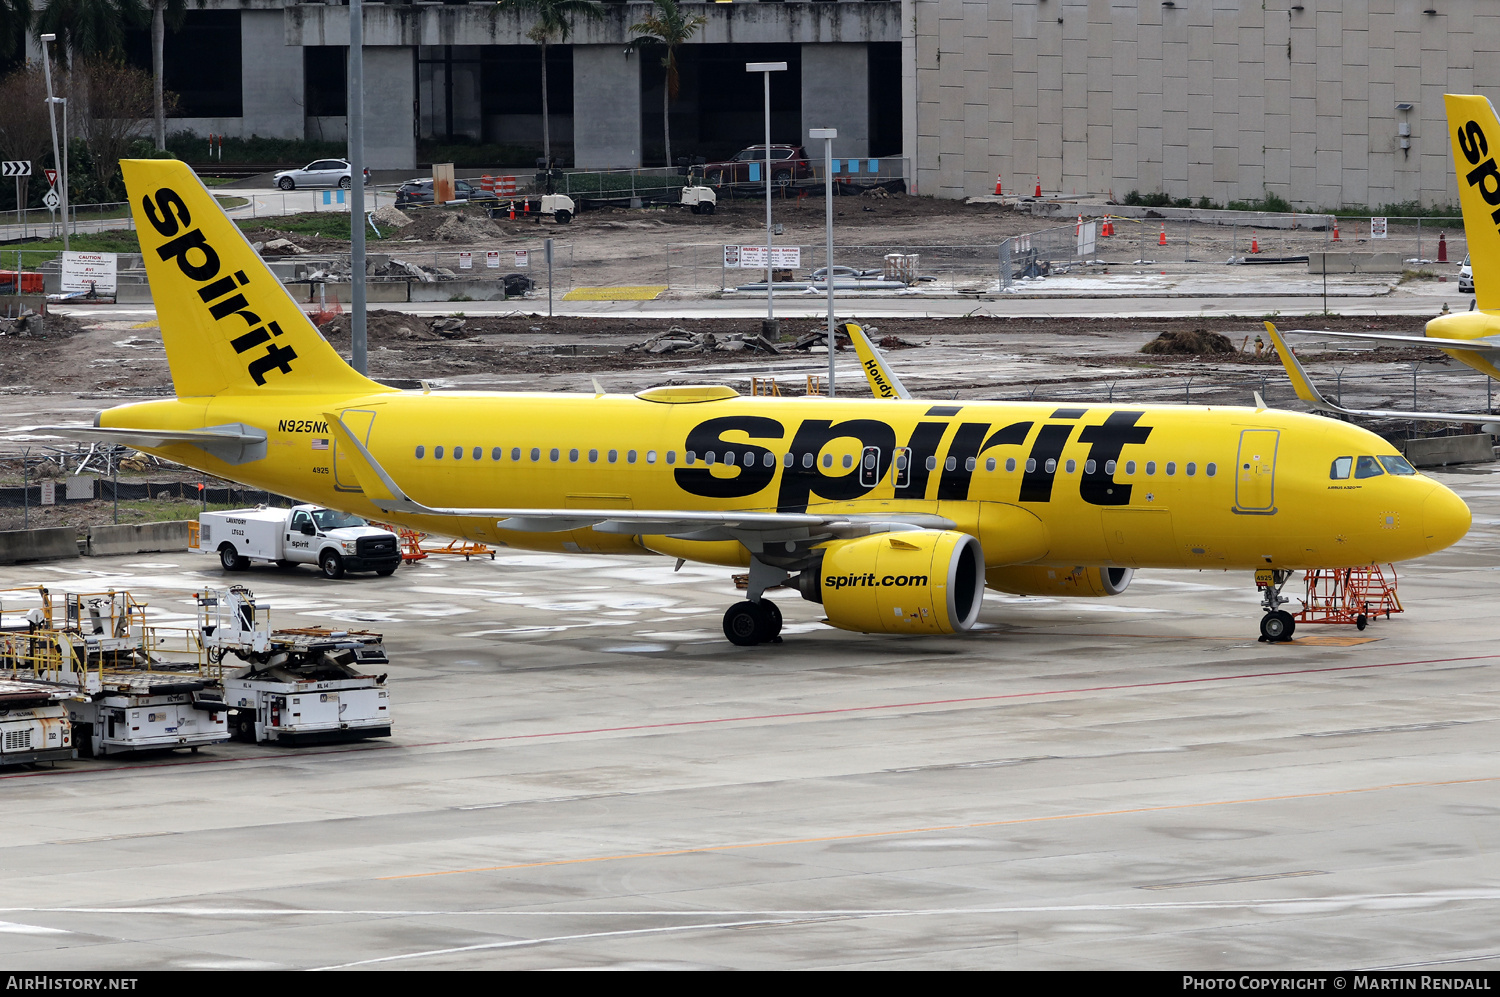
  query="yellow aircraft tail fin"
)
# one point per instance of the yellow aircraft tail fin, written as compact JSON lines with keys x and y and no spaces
{"x":1301,"y":383}
{"x":1474,"y":131}
{"x":883,"y":380}
{"x":228,"y":325}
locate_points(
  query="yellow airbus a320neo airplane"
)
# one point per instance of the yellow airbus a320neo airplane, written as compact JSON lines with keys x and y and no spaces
{"x":893,"y":514}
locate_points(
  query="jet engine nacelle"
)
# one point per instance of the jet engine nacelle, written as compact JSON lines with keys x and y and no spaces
{"x":1039,"y":579}
{"x":914,"y":581}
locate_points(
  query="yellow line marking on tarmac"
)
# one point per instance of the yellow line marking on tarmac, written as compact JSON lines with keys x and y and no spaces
{"x":703,"y":849}
{"x":644,"y":293}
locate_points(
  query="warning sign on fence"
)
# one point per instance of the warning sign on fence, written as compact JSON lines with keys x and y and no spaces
{"x":1377,"y":228}
{"x":492,"y":259}
{"x":523,"y":259}
{"x":466,"y":261}
{"x":782,"y":257}
{"x":86,"y":271}
{"x":732,"y":257}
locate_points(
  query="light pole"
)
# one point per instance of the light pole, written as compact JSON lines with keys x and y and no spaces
{"x":52,"y":117}
{"x":358,"y":341}
{"x":828,"y":135}
{"x":767,"y":68}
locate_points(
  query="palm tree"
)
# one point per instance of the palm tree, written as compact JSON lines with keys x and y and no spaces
{"x":15,"y":18}
{"x":89,"y":27}
{"x":163,"y":12}
{"x":671,"y":27}
{"x":554,"y":21}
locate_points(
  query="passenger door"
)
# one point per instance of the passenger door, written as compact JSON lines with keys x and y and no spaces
{"x":1255,"y":472}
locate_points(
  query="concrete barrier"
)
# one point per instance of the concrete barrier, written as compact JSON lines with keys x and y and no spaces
{"x":447,"y":290}
{"x":381,"y":291}
{"x":1436,"y":451}
{"x":138,"y":538}
{"x":1355,"y":262}
{"x":51,"y":544}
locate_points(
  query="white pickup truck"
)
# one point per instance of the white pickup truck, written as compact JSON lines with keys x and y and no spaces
{"x":334,"y":541}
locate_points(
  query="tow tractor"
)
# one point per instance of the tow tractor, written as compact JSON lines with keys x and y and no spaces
{"x":309,"y":685}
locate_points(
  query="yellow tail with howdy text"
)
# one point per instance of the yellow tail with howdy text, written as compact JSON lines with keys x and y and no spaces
{"x":1475,"y":133}
{"x":228,"y":325}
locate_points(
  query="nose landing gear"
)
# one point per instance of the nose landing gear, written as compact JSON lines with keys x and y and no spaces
{"x":1277,"y":625}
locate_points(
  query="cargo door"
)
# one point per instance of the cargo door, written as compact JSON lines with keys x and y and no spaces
{"x":1255,"y":472}
{"x":359,"y":422}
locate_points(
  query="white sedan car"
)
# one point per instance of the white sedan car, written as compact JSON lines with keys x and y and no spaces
{"x":1466,"y":278}
{"x":321,"y":173}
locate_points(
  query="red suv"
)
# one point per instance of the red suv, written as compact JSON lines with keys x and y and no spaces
{"x":788,"y":164}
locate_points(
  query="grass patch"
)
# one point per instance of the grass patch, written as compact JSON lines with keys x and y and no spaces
{"x":37,"y":253}
{"x":164,"y":510}
{"x":218,"y":181}
{"x":1408,"y":275}
{"x":324,"y":224}
{"x":227,"y":201}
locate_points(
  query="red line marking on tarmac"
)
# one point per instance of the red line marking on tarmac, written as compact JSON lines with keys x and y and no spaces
{"x":832,"y":711}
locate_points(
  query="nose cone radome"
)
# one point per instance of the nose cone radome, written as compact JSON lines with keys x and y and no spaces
{"x":1445,"y":519}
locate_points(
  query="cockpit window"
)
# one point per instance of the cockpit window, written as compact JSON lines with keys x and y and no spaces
{"x":1396,"y":464}
{"x":1341,"y":468}
{"x":1367,"y":467}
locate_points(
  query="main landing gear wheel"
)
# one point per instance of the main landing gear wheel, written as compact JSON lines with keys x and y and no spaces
{"x":771,"y":613}
{"x":748,"y":623}
{"x":1278,"y":626}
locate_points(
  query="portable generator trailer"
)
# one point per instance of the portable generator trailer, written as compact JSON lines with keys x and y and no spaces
{"x":308,"y":685}
{"x":34,"y":722}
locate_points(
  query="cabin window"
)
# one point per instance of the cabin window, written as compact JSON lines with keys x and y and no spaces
{"x":1030,"y":465}
{"x":769,"y":460}
{"x":536,"y":454}
{"x":710,"y":457}
{"x":1088,"y":467}
{"x":902,"y":459}
{"x":1396,"y":465}
{"x":555,"y":453}
{"x":593,"y":456}
{"x":671,"y":456}
{"x":1368,"y":467}
{"x":932,"y":463}
{"x":828,"y":460}
{"x":515,"y":453}
{"x":848,"y":460}
{"x":573,"y":456}
{"x":614,"y":455}
{"x":1072,"y":465}
{"x":969,"y":464}
{"x":1109,"y":466}
{"x":421,"y":452}
{"x":729,"y":457}
{"x":478,"y":453}
{"x":1130,"y":467}
{"x":1211,"y":469}
{"x":630,"y":457}
{"x":1010,"y":463}
{"x":1171,"y":468}
{"x":807,"y":460}
{"x":650,"y":456}
{"x":1192,"y":469}
{"x":1051,"y":466}
{"x":437,"y":453}
{"x":458,"y":453}
{"x":1150,"y":467}
{"x":496,"y":453}
{"x":950,"y":463}
{"x":989,"y":464}
{"x":788,"y":460}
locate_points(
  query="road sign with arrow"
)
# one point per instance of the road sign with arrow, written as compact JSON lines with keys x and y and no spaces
{"x":15,"y":168}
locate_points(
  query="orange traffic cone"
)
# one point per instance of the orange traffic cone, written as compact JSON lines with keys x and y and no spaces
{"x":1078,"y":229}
{"x":512,"y":210}
{"x":1443,"y":248}
{"x":526,"y":207}
{"x":1038,"y":186}
{"x":1335,"y":231}
{"x":1162,"y":240}
{"x":1254,"y":243}
{"x":997,"y":185}
{"x":1109,"y":227}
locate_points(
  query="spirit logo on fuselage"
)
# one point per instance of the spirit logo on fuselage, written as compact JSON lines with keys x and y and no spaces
{"x":200,"y":262}
{"x":753,"y":467}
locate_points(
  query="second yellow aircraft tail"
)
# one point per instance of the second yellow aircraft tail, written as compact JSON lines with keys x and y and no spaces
{"x":228,"y":325}
{"x":1474,"y":130}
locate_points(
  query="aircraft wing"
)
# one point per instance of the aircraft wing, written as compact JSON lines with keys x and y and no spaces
{"x":883,"y":381}
{"x":388,"y":496}
{"x":1489,"y":344}
{"x":1309,"y":393}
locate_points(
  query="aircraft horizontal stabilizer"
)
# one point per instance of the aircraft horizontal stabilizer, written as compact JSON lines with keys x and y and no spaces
{"x":234,"y":443}
{"x":1489,"y":344}
{"x":1309,"y":393}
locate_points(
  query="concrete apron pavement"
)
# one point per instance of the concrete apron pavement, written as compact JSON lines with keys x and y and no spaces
{"x":585,"y":774}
